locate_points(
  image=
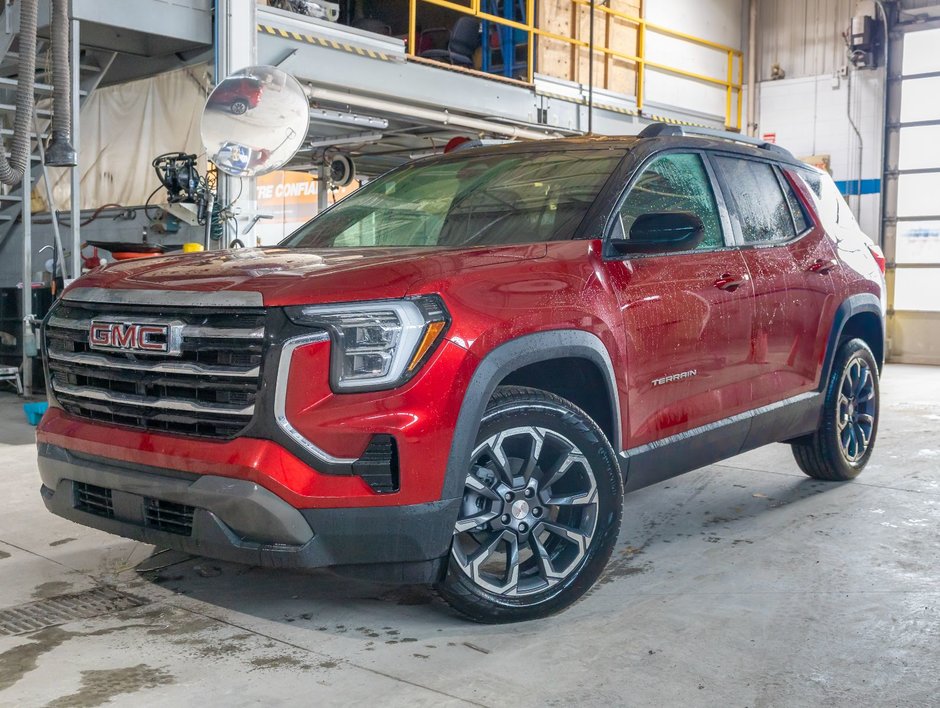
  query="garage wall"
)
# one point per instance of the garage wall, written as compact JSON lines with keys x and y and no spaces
{"x":803,"y":36}
{"x":721,"y":21}
{"x":810,"y":117}
{"x":809,"y":110}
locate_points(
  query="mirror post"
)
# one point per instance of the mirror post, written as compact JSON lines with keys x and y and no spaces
{"x":323,"y":188}
{"x":235,"y":48}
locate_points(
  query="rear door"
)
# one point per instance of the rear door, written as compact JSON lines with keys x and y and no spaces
{"x":789,"y":258}
{"x":686,"y":316}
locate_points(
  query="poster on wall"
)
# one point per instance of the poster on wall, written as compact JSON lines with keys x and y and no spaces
{"x":290,"y":199}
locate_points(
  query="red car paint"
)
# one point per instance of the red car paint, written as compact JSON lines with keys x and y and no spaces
{"x":693,"y":338}
{"x":646,"y":313}
{"x":237,"y":93}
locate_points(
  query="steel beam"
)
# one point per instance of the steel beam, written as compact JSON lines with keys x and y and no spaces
{"x":551,"y":106}
{"x":189,"y":20}
{"x":235,"y":48}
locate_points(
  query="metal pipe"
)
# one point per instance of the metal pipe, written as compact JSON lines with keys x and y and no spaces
{"x":591,"y":71}
{"x":884,"y":117}
{"x":861,"y":145}
{"x":59,"y":250}
{"x":28,"y":341}
{"x":210,"y":205}
{"x":752,"y":68}
{"x":75,"y":176}
{"x":434,"y":116}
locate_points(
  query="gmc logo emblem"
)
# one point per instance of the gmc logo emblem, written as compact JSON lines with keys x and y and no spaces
{"x":128,"y":336}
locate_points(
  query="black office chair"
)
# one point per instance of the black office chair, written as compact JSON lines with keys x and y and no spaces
{"x":463,"y":42}
{"x":372,"y":25}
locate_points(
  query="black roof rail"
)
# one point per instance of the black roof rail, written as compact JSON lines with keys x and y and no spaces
{"x":665,"y":130}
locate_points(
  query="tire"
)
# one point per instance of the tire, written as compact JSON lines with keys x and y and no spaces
{"x":543,"y":490}
{"x":239,"y":107}
{"x":839,"y":450}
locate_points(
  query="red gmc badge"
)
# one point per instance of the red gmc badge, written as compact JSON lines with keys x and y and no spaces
{"x":132,"y":337}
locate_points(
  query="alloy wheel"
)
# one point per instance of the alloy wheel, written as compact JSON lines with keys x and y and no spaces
{"x":529,"y":512}
{"x":856,"y":409}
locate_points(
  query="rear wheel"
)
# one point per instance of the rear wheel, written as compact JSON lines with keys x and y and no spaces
{"x":541,"y":510}
{"x":842,"y":445}
{"x":239,"y":106}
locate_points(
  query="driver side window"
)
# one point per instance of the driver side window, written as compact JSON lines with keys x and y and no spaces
{"x":675,"y":182}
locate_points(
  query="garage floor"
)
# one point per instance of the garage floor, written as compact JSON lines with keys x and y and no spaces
{"x":741,"y":584}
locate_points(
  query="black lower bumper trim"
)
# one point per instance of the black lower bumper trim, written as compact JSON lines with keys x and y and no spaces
{"x":240,"y":521}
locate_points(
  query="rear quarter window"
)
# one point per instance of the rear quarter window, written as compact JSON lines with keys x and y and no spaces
{"x":796,"y":208}
{"x":760,"y":205}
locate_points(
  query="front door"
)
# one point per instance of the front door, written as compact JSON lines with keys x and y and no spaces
{"x":687,"y":316}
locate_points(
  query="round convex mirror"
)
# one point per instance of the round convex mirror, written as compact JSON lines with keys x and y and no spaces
{"x":255,"y":121}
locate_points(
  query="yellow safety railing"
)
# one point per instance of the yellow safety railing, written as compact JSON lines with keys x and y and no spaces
{"x":730,"y":83}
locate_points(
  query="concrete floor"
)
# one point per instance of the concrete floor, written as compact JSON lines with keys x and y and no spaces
{"x":740,"y":584}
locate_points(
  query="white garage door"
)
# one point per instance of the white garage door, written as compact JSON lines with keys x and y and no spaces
{"x":915,"y":322}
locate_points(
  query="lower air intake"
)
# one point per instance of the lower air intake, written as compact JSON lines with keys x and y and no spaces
{"x":169,"y":516}
{"x":94,"y":500}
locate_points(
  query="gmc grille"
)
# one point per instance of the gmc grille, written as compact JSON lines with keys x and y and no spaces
{"x":209,"y":390}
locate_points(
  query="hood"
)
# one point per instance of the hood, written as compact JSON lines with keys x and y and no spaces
{"x":293,"y":276}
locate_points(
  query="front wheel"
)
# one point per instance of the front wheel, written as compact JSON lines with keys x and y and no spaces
{"x":541,"y":510}
{"x":841,"y":447}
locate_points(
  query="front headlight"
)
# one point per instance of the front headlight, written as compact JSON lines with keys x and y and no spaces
{"x":377,"y":345}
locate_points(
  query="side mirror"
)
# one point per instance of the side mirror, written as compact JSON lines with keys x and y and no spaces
{"x":665,"y":232}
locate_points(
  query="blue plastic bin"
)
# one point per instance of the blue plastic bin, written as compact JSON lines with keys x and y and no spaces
{"x":34,"y":411}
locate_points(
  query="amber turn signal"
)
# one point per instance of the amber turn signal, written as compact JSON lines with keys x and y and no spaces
{"x":431,"y":334}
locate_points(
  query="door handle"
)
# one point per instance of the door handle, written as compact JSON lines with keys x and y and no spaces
{"x":822,"y":265}
{"x":731,"y":282}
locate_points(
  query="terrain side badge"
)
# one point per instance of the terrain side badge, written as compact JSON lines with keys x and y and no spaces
{"x":143,"y":338}
{"x":675,"y":377}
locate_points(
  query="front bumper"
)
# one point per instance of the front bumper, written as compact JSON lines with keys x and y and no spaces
{"x":241,"y":521}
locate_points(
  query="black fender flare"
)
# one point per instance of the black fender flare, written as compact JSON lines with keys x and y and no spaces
{"x":503,"y":360}
{"x":853,"y":305}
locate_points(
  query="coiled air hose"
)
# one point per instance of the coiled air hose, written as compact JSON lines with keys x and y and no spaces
{"x":13,"y":169}
{"x":60,"y":152}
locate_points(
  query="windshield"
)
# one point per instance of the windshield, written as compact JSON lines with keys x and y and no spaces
{"x":469,"y":201}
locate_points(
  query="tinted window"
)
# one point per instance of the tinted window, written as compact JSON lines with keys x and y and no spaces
{"x":796,"y":209}
{"x":674,"y":183}
{"x":761,"y":207}
{"x":467,"y":200}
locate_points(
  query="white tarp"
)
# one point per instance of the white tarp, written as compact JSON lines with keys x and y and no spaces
{"x":123,"y":127}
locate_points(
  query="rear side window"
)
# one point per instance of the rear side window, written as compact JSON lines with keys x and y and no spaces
{"x":760,"y":205}
{"x":796,"y":209}
{"x":672,"y":183}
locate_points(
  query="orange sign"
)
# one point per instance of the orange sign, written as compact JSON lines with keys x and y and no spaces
{"x":291,"y":200}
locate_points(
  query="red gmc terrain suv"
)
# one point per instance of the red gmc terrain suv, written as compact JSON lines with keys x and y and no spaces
{"x":453,"y":375}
